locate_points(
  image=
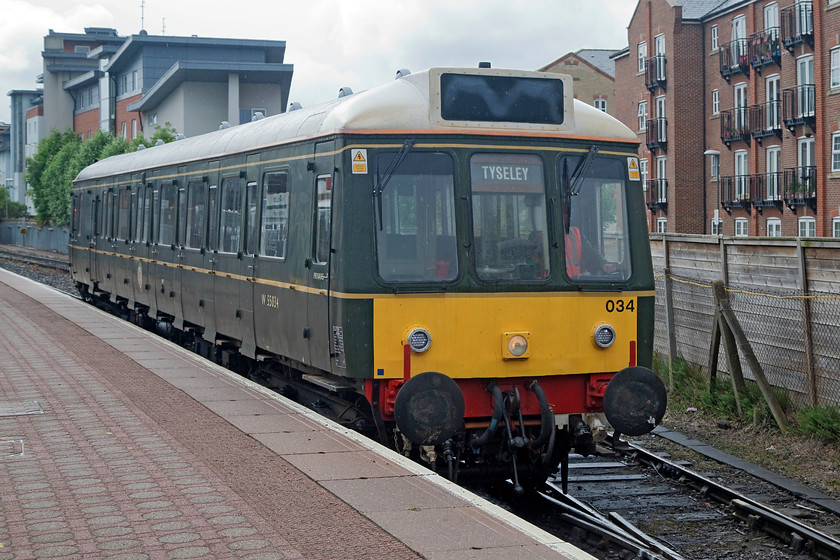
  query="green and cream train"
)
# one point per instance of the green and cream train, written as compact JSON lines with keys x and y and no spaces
{"x":457,"y":261}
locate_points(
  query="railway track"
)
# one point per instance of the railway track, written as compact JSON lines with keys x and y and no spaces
{"x":655,"y":507}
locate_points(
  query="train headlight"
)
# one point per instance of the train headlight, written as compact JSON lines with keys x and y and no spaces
{"x":603,"y":336}
{"x":419,"y":339}
{"x":516,"y":345}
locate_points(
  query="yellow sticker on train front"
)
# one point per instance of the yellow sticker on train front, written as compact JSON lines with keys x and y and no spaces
{"x":359,"y":158}
{"x":633,"y":168}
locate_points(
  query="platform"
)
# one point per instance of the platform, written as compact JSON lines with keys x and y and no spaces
{"x":115,"y":443}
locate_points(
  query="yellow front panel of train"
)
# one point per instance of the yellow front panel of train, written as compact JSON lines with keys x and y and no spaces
{"x":471,"y":333}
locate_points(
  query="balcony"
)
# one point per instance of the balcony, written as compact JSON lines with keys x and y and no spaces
{"x":800,"y":187}
{"x":766,"y":120}
{"x":656,"y":134}
{"x":765,"y":49}
{"x":735,"y":126}
{"x":766,"y":190}
{"x":799,"y":107}
{"x":734,"y":192}
{"x":797,"y":25}
{"x":734,"y":59}
{"x":655,"y":72}
{"x":657,"y":194}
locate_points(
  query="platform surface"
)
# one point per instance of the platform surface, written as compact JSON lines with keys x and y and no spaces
{"x":115,"y":443}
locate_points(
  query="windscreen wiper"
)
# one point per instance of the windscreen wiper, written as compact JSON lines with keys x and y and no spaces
{"x":386,"y":176}
{"x":581,"y":169}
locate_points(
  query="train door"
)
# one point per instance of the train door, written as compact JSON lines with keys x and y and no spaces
{"x":193,"y":235}
{"x":132,"y":243}
{"x":206,"y":304}
{"x":120,"y":263}
{"x":177,"y":248}
{"x":165,"y":251}
{"x":143,"y":293}
{"x":318,"y":301}
{"x":106,"y":244}
{"x":228,"y":257}
{"x":249,"y":260}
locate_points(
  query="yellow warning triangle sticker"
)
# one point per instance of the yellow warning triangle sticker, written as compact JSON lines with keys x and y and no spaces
{"x":633,"y":164}
{"x":359,"y":157}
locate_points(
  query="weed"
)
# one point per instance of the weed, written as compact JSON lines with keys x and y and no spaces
{"x":821,"y":422}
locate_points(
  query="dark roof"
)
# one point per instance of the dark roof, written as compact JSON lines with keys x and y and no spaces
{"x":699,"y":9}
{"x":600,"y":59}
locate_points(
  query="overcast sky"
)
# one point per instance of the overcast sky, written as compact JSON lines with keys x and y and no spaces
{"x":331,"y":43}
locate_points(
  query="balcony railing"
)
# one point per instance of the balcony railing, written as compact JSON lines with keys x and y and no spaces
{"x":656,"y":134}
{"x":655,"y":72}
{"x":766,"y":120}
{"x":735,"y":125}
{"x":800,"y":187}
{"x":799,"y":107}
{"x":734,"y":192}
{"x":766,"y":190}
{"x":734,"y":58}
{"x":765,"y":48}
{"x":657,"y":194}
{"x":797,"y":25}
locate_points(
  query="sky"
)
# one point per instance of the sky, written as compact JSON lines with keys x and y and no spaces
{"x":331,"y":43}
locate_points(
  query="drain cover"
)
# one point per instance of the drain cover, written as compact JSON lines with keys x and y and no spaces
{"x":20,"y":408}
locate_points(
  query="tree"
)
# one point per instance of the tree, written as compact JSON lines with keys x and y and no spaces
{"x":48,"y":148}
{"x":9,"y":208}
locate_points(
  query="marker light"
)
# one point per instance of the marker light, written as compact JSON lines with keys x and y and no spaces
{"x":419,"y":339}
{"x":604,"y":336}
{"x":515,"y":345}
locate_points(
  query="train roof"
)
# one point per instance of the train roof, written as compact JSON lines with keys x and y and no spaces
{"x":412,"y":102}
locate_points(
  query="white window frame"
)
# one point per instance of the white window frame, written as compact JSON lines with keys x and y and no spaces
{"x":774,"y":227}
{"x":742,"y":227}
{"x":835,"y":226}
{"x":773,"y":167}
{"x":661,"y":225}
{"x":600,"y":104}
{"x":714,"y":166}
{"x":742,"y":110}
{"x":835,"y":152}
{"x":742,"y":190}
{"x":642,"y":114}
{"x":643,"y":171}
{"x":807,"y":226}
{"x":835,"y":68}
{"x":715,"y":102}
{"x":715,"y":45}
{"x":642,"y":54}
{"x":717,"y":226}
{"x":771,"y":18}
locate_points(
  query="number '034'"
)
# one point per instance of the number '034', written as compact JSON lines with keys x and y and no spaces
{"x":620,"y":306}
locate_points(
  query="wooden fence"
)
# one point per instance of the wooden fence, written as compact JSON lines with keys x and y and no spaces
{"x":785,"y":293}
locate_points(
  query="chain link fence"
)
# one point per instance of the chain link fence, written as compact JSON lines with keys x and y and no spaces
{"x":795,"y":335}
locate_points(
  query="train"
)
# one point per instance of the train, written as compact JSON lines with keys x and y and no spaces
{"x":456,"y":262}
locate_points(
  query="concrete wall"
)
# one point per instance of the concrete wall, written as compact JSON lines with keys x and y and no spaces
{"x":46,"y":238}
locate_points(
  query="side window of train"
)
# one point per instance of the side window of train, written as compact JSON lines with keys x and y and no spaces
{"x":321,"y":249}
{"x":196,"y":220}
{"x":274,"y":229}
{"x":166,"y":233}
{"x":109,"y":215}
{"x":153,"y":225}
{"x":230,"y":223}
{"x":181,"y":238}
{"x":251,"y":203}
{"x":124,"y":213}
{"x":139,"y":214}
{"x":213,"y":213}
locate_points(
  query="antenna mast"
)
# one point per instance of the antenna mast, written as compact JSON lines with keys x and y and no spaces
{"x":142,"y":14}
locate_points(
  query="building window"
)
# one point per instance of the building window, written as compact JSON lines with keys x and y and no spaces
{"x":835,"y":67}
{"x":714,"y":162}
{"x":717,"y":226}
{"x":642,"y":54}
{"x":774,"y":227}
{"x":123,"y":131}
{"x":133,"y":129}
{"x":741,"y":227}
{"x":835,"y":227}
{"x":715,"y":102}
{"x":835,"y":152}
{"x":123,"y":84}
{"x":661,"y":225}
{"x":601,"y":104}
{"x":807,"y":227}
{"x":714,"y":37}
{"x":134,"y":80}
{"x":643,"y":171}
{"x":642,"y":115}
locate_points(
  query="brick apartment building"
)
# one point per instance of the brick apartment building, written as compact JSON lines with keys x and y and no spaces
{"x":737,"y":107}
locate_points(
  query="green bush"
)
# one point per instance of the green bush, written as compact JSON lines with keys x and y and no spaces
{"x":821,"y":422}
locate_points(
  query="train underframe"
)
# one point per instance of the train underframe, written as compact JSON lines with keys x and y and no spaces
{"x":422,"y":418}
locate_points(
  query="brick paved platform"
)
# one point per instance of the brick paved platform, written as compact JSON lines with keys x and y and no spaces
{"x":117,"y":444}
